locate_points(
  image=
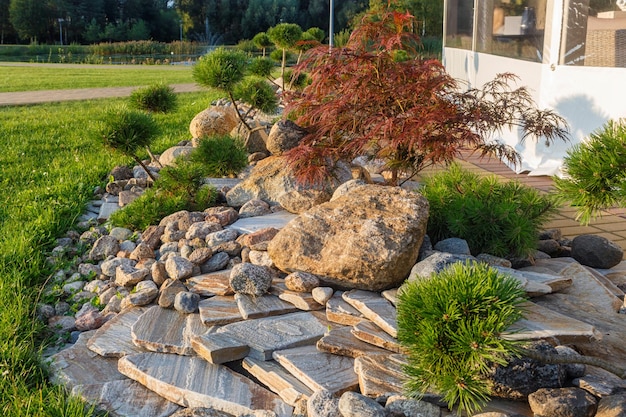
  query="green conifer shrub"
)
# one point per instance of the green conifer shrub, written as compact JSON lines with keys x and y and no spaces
{"x":451,"y":326}
{"x":156,"y":98}
{"x":595,"y":172}
{"x":220,"y":156}
{"x":258,"y":93}
{"x":495,"y":217}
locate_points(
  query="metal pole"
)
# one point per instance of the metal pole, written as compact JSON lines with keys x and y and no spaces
{"x":181,"y":30}
{"x":61,"y":31}
{"x":331,"y":25}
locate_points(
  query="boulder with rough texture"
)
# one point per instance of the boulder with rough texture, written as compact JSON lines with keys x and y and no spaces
{"x":368,"y":239}
{"x":168,"y":158}
{"x":523,"y":376}
{"x":596,"y":251}
{"x":270,"y":178}
{"x":352,"y":404}
{"x":612,"y":406}
{"x":103,"y":247}
{"x":562,"y":402}
{"x":216,"y":120}
{"x":453,"y":245}
{"x":323,"y":403}
{"x":283,"y":136}
{"x":246,"y":278}
{"x":301,"y":281}
{"x":437,"y":262}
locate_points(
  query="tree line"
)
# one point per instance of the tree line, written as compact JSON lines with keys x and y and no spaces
{"x":209,"y":21}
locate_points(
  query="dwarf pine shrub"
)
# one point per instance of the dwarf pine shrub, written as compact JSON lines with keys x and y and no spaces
{"x":495,"y":217}
{"x":156,"y":98}
{"x":595,"y":172}
{"x":220,"y":156}
{"x":451,"y":326}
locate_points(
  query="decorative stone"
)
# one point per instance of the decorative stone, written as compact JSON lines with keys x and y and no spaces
{"x":493,"y":260}
{"x":380,"y":375}
{"x":125,"y":398}
{"x":169,"y":289}
{"x":127,"y":276}
{"x":252,"y":307}
{"x":319,"y":370}
{"x":265,"y":335}
{"x":339,"y":311}
{"x":246,"y":278}
{"x":596,"y":386}
{"x":573,"y":370}
{"x":323,"y":403}
{"x":321,"y":295}
{"x":220,"y":237}
{"x":200,"y":255}
{"x":194,"y":382}
{"x":146,"y":292}
{"x":302,"y":300}
{"x":562,"y":402}
{"x":375,"y":308}
{"x":216,"y":120}
{"x":435,"y":263}
{"x":110,"y":265}
{"x":90,"y":321}
{"x":259,"y":239}
{"x":201,"y":230}
{"x":284,"y":135}
{"x":152,"y":236}
{"x":178,"y":267}
{"x":301,"y":281}
{"x":368,"y":332}
{"x":261,"y":258}
{"x":164,"y":330}
{"x":113,"y":339}
{"x":213,"y":283}
{"x":142,"y":251}
{"x":368,"y":239}
{"x":254,"y":207}
{"x":596,"y":251}
{"x":169,"y":157}
{"x":342,"y":342}
{"x":277,"y":379}
{"x":219,"y":310}
{"x":186,"y":302}
{"x":221,"y":215}
{"x":217,"y":262}
{"x":77,"y":365}
{"x":299,"y":201}
{"x":453,"y":245}
{"x":398,"y":404}
{"x":219,"y":348}
{"x":612,"y":406}
{"x":105,"y":246}
{"x":352,"y":404}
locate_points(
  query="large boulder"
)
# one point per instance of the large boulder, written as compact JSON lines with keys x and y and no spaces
{"x":170,"y":155}
{"x":255,"y":138}
{"x":596,"y":251}
{"x":270,"y":180}
{"x":216,"y":120}
{"x":367,"y":239}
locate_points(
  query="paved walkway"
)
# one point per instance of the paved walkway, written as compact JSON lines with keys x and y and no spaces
{"x":612,"y":223}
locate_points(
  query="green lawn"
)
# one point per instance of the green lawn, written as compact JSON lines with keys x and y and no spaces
{"x":60,"y":77}
{"x":49,"y":165}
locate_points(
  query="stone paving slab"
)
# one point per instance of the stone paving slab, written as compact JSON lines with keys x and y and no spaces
{"x":126,"y":398}
{"x":193,"y":382}
{"x":319,"y":370}
{"x":342,"y":342}
{"x":265,"y":335}
{"x":373,"y":306}
{"x":213,"y":283}
{"x":219,"y":348}
{"x":252,"y":224}
{"x":370,"y":333}
{"x":114,"y":338}
{"x":262,"y":306}
{"x":77,"y":365}
{"x":277,"y":379}
{"x":219,"y":310}
{"x":301,"y":300}
{"x":339,"y":311}
{"x":380,"y":375}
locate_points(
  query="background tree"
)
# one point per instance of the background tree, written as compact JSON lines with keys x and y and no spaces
{"x":30,"y":18}
{"x":285,"y":36}
{"x":262,"y":41}
{"x":410,"y":113}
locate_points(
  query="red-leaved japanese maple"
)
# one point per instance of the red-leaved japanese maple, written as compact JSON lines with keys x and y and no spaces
{"x":377,"y":97}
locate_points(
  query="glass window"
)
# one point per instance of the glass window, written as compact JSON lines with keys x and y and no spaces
{"x":459,"y":24}
{"x":594,"y":33}
{"x":512,"y":28}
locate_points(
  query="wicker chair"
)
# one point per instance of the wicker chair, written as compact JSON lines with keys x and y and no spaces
{"x":605,"y":45}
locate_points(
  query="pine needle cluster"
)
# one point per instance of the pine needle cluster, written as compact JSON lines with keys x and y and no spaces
{"x":451,"y":326}
{"x":596,"y":172}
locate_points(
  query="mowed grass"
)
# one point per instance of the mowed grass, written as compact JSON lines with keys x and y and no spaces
{"x":61,"y":77}
{"x":50,"y":163}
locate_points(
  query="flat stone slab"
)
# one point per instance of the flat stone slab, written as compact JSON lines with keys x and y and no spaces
{"x":251,"y":224}
{"x":542,"y":323}
{"x":342,"y":342}
{"x":339,"y":311}
{"x":263,"y":306}
{"x":301,"y":300}
{"x":219,"y":310}
{"x":222,"y":182}
{"x":531,"y":278}
{"x":113,"y":339}
{"x":77,"y":365}
{"x":265,"y":335}
{"x":126,"y":398}
{"x":193,"y":382}
{"x":213,"y":283}
{"x":391,"y":296}
{"x":164,"y":330}
{"x":219,"y":348}
{"x":370,"y":333}
{"x":375,"y":308}
{"x":319,"y":370}
{"x":380,"y":375}
{"x":277,"y":379}
{"x":106,"y":209}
